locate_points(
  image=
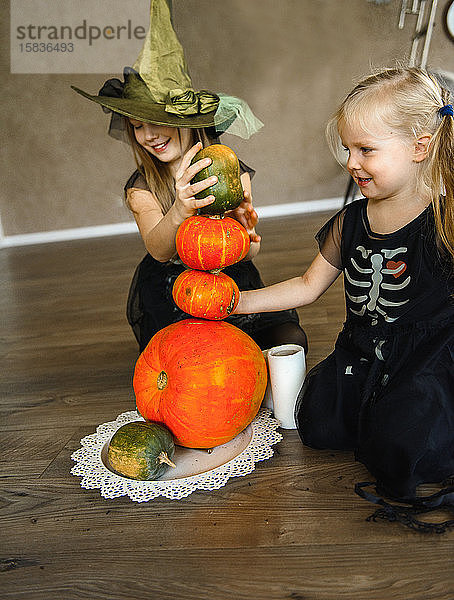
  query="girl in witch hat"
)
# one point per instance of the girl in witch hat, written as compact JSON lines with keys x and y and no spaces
{"x":387,"y":390}
{"x":166,"y":122}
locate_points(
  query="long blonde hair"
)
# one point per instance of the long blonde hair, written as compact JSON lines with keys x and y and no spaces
{"x":409,"y":100}
{"x":157,"y":174}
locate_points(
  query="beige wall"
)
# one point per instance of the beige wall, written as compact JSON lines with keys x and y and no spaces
{"x":293,"y":60}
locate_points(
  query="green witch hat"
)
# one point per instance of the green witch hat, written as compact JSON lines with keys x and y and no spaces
{"x":158,"y":89}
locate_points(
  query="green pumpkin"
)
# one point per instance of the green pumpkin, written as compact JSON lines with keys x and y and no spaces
{"x":141,"y":450}
{"x":228,"y":190}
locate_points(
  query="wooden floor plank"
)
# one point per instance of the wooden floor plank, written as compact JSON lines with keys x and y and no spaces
{"x":297,"y":573}
{"x":30,"y":452}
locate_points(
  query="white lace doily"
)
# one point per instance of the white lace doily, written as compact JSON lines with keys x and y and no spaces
{"x":235,"y":459}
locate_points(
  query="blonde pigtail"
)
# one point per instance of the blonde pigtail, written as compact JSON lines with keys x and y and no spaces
{"x":442,"y":174}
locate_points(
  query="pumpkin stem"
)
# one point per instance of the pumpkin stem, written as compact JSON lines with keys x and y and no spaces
{"x":163,"y":458}
{"x":232,"y":303}
{"x":162,"y":380}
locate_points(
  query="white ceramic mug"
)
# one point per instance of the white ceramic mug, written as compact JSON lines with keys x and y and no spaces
{"x":287,"y":370}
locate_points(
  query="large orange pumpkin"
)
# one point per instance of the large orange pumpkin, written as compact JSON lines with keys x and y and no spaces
{"x":204,"y":380}
{"x":206,"y":295}
{"x":208,"y":243}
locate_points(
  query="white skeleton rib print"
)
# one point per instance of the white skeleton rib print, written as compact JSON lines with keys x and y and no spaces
{"x":373,"y":281}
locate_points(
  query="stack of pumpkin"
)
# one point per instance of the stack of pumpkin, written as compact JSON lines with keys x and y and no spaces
{"x":201,"y":378}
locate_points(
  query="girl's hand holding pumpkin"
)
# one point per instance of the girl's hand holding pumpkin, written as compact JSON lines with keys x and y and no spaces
{"x":247,"y":216}
{"x":185,"y":202}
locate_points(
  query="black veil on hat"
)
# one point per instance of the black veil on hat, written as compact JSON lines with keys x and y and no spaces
{"x":158,"y":89}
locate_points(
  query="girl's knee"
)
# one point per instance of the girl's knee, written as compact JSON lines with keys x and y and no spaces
{"x":311,"y":413}
{"x":319,"y":413}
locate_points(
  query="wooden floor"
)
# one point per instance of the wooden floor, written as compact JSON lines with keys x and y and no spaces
{"x":293,"y":529}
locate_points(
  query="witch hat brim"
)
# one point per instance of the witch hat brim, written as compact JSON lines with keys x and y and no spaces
{"x":150,"y":112}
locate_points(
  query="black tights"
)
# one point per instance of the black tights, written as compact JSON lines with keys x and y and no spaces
{"x":285,"y":333}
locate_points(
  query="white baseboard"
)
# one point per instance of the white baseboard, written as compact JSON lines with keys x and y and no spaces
{"x":295,"y":208}
{"x":63,"y":235}
{"x":78,"y":233}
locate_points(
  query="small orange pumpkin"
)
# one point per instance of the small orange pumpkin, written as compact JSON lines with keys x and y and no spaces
{"x":204,"y":380}
{"x":208,"y":243}
{"x":206,"y":295}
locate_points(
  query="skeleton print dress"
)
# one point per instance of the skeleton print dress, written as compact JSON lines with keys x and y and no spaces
{"x":387,"y":390}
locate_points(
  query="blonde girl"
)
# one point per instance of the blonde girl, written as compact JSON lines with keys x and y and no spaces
{"x":387,"y":390}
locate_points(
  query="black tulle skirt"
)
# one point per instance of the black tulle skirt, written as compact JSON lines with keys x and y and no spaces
{"x":151,"y":307}
{"x":396,"y":410}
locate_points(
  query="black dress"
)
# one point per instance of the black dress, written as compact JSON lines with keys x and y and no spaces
{"x":151,"y":307}
{"x":387,"y":390}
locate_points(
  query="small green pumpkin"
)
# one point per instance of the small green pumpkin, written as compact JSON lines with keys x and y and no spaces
{"x":141,"y":450}
{"x":228,"y":190}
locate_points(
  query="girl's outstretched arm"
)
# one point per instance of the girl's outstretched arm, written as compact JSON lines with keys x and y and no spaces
{"x":292,"y":293}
